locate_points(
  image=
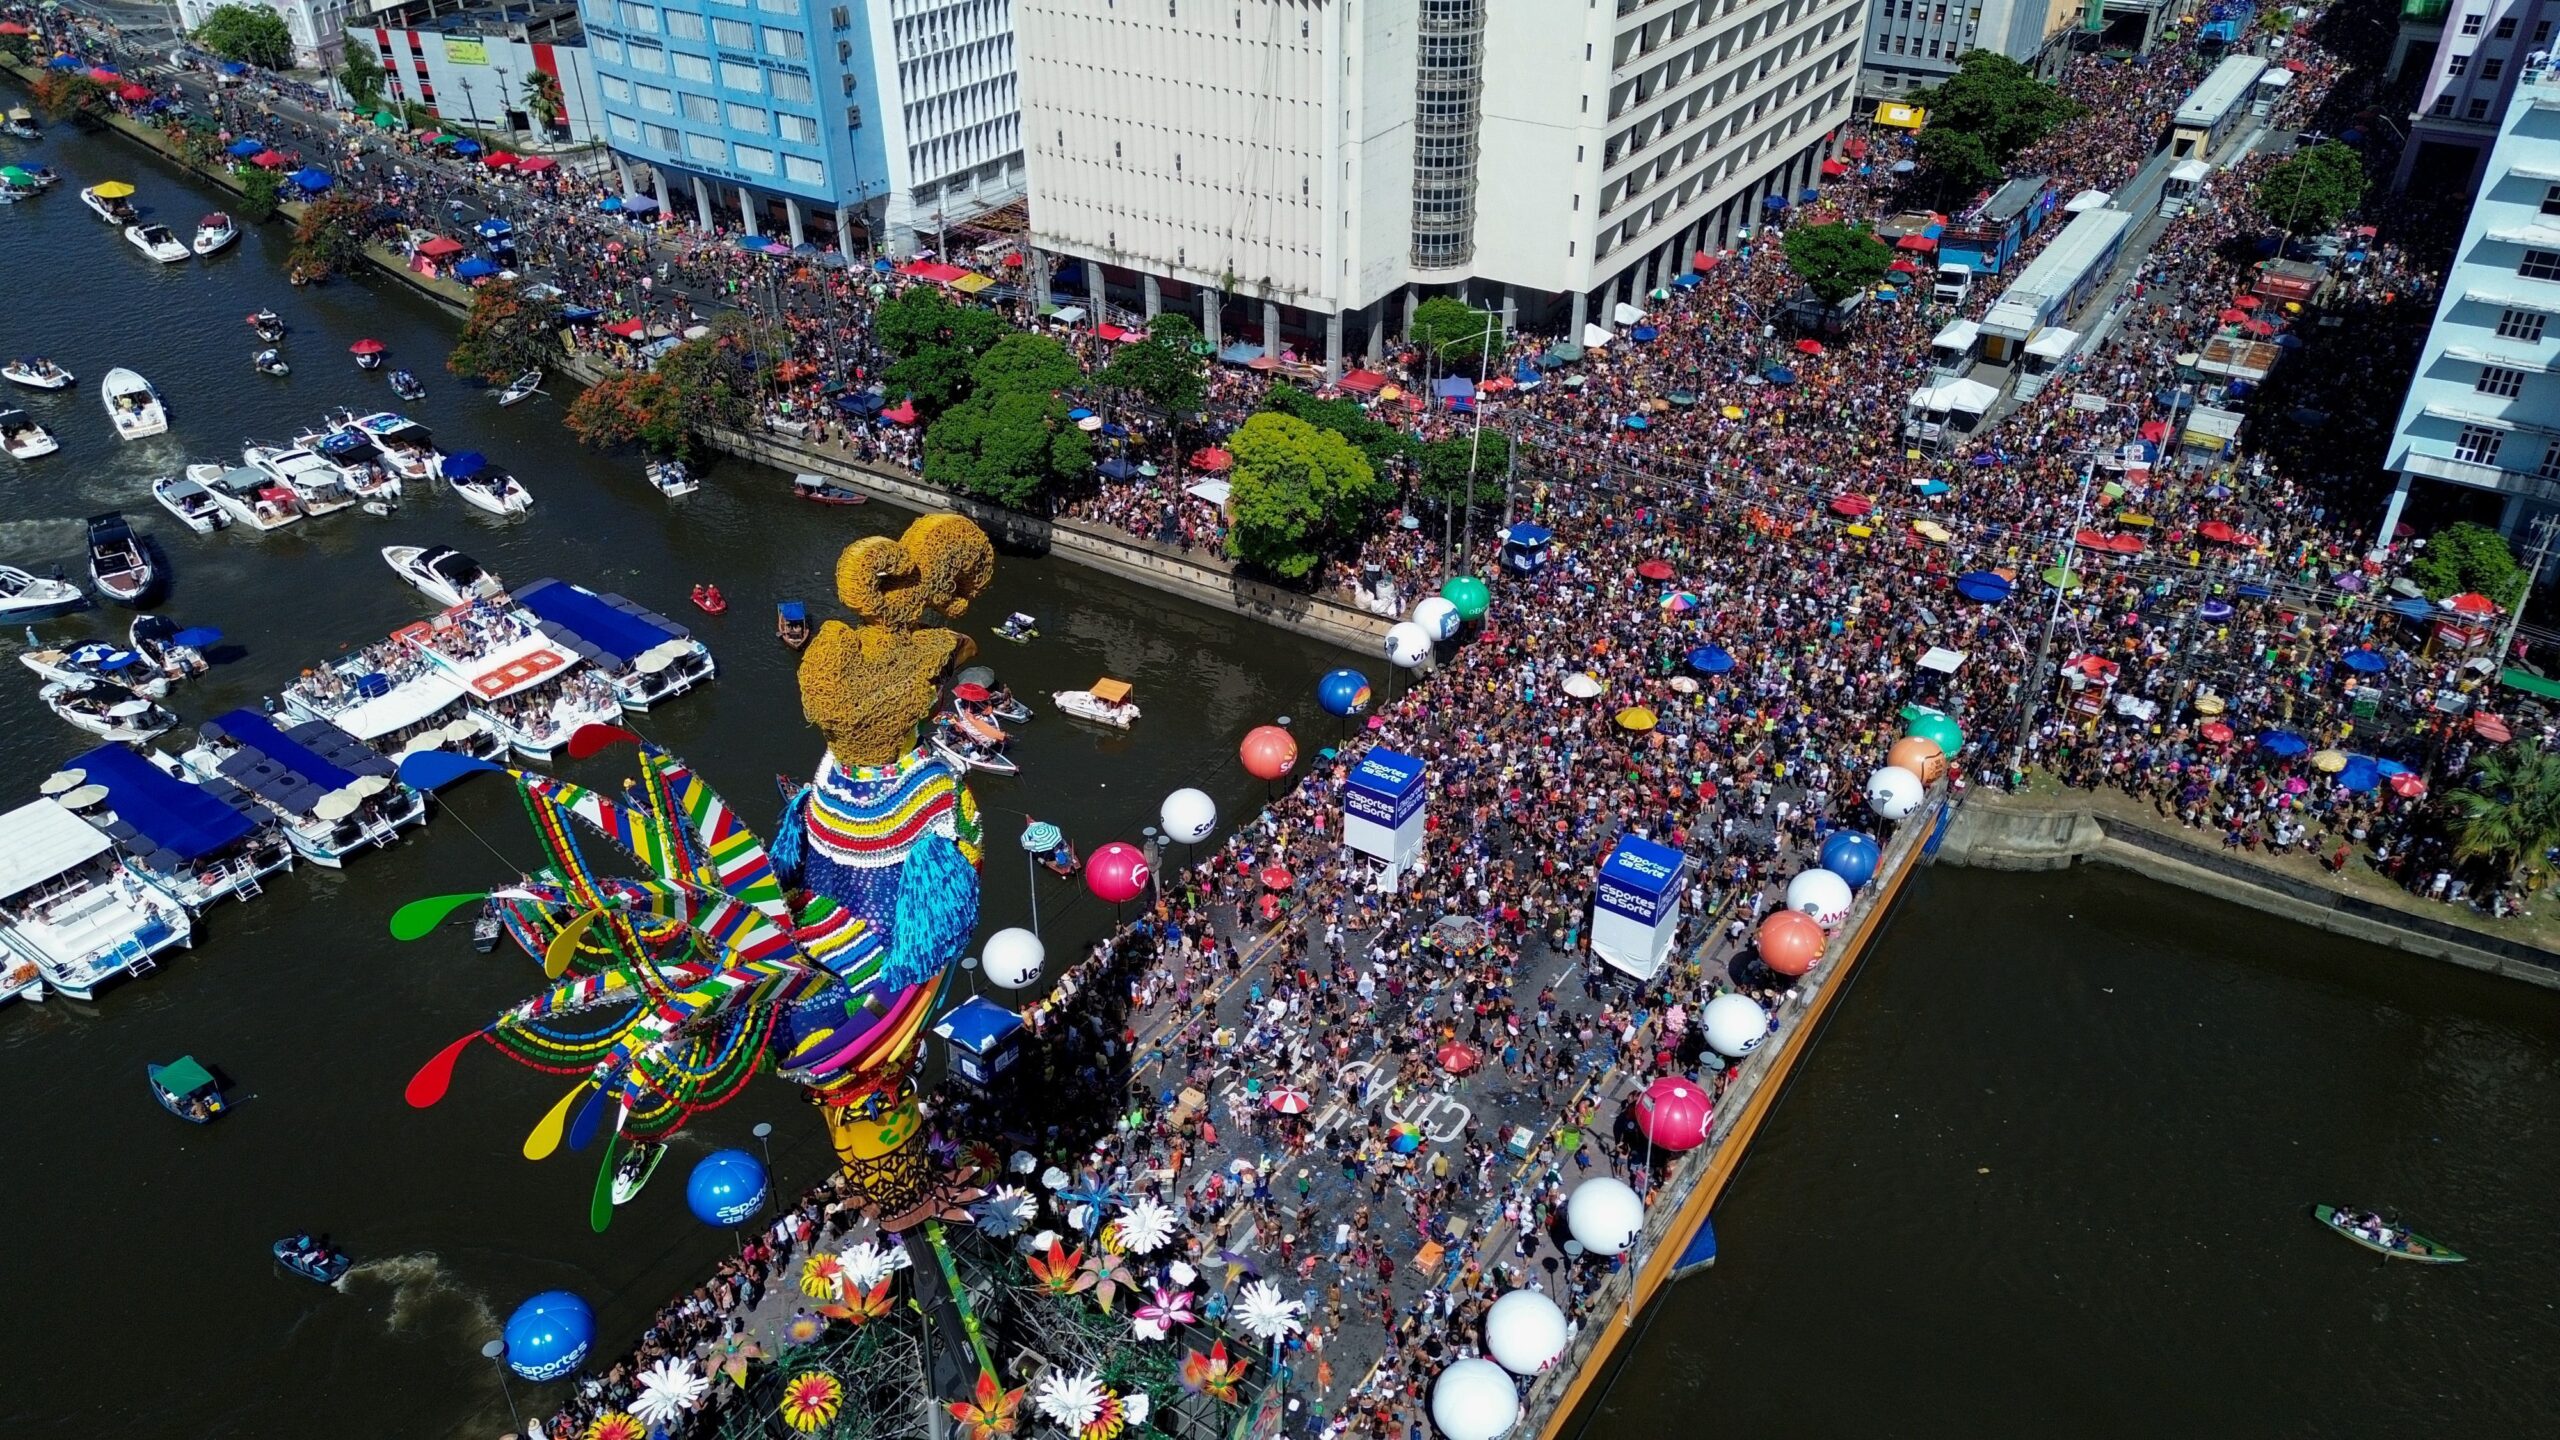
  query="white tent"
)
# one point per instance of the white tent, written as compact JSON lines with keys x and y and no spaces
{"x":2053,"y":343}
{"x":1969,"y":396}
{"x":1627,"y":314}
{"x":2087,"y":200}
{"x":1213,"y":491}
{"x":1596,"y":337}
{"x":1942,"y":660}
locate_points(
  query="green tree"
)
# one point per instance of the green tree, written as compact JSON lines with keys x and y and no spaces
{"x":1162,"y":369}
{"x":2509,"y":812}
{"x":2311,"y":190}
{"x":921,"y":317}
{"x":68,"y":94}
{"x":1837,"y":261}
{"x":361,"y":77}
{"x":1034,"y":364}
{"x":1456,"y":331}
{"x":631,"y":409}
{"x":1385,"y":445}
{"x":1011,"y":446}
{"x":1295,"y":487}
{"x":712,"y":381}
{"x":2465,"y":557}
{"x":331,"y":236}
{"x":1444,"y":467}
{"x":249,"y":33}
{"x":507,"y":333}
{"x":542,"y":98}
{"x":260,"y":192}
{"x":14,"y":49}
{"x":936,"y":378}
{"x":1989,"y":110}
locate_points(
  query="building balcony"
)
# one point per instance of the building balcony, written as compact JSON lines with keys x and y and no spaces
{"x":2481,"y":477}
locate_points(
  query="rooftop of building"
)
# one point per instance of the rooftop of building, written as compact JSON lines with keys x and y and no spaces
{"x":551,"y":22}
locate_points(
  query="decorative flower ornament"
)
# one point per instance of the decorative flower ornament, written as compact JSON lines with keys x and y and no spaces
{"x":1105,"y":1274}
{"x":867,"y":1264}
{"x":731,"y":1355}
{"x":1145,"y":1227}
{"x":803,"y":1329}
{"x":1003,"y":1214}
{"x":1061,"y":1271}
{"x":1264,"y":1314}
{"x":859,"y":1307}
{"x":1071,"y":1400}
{"x":822,"y":1276}
{"x":1215,"y":1374}
{"x":1169,"y":1307}
{"x":615,"y":1425}
{"x":812,"y":1400}
{"x":992,"y":1414}
{"x":668,"y":1389}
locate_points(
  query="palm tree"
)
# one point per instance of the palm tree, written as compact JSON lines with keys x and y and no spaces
{"x":542,"y":97}
{"x":2510,"y":813}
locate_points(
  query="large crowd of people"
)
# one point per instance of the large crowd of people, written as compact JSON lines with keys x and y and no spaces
{"x":2238,"y":595}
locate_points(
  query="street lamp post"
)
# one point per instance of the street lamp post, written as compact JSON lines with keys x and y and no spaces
{"x":2033,"y":690}
{"x":496,"y":1350}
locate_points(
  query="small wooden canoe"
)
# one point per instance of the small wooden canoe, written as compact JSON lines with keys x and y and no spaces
{"x":2401,"y":1244}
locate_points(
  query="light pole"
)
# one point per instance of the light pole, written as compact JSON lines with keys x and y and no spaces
{"x":496,"y":1350}
{"x":2034,"y":687}
{"x":764,"y":1142}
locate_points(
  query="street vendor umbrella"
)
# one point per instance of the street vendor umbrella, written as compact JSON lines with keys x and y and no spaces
{"x":974,"y":693}
{"x":1710,"y":660}
{"x":1808,"y":346}
{"x":1457,"y":1057}
{"x":2329,"y":762}
{"x":2365,"y":661}
{"x":2216,"y":732}
{"x":1405,"y":1138}
{"x":1731,"y":412}
{"x":1583,"y":685}
{"x":1655,"y":570}
{"x":2283,"y":744}
{"x":2490,"y":728}
{"x":1277,"y":877}
{"x":1286,"y":1101}
{"x":2218,"y":532}
{"x":1638,"y":718}
{"x":2245,"y":302}
{"x":2407,"y":786}
{"x":2232,"y":317}
{"x":466,"y":147}
{"x":1040,"y":837}
{"x":1851,"y":505}
{"x":2214,"y":610}
{"x":367,"y":346}
{"x":1983,"y":587}
{"x":1680,"y":602}
{"x":2360,"y":775}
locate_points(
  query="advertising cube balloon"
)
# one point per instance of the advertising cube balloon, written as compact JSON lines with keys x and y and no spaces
{"x":1852,"y":855}
{"x":1895,"y":793}
{"x":1408,"y":644}
{"x":1343,"y":692}
{"x":726,"y":1188}
{"x":1524,"y":1331}
{"x":1437,"y":617}
{"x":1188,"y":815}
{"x":1604,"y":1214}
{"x":1822,"y":895}
{"x":1471,"y":595}
{"x":1790,"y":942}
{"x":1735,"y":1025}
{"x":1474,"y":1400}
{"x":1920,"y":756}
{"x":1013,"y":958}
{"x":548,"y":1335}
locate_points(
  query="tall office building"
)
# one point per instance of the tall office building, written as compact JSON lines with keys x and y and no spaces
{"x":1301,"y":172}
{"x":2483,"y":409}
{"x":1916,"y":43}
{"x":503,"y":68}
{"x":870,"y":123}
{"x":2480,"y":51}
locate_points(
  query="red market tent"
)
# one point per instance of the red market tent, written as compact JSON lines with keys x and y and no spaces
{"x":267,"y":160}
{"x":1922,"y":244}
{"x":1112,"y":332}
{"x":1834,"y":168}
{"x":1851,"y":505}
{"x":133,"y":94}
{"x":532,"y":163}
{"x":499,"y":159}
{"x":1363,"y":382}
{"x":103,"y":75}
{"x":628,"y":329}
{"x":1213,"y":460}
{"x":440,"y":246}
{"x":12,"y":27}
{"x":933,"y":270}
{"x":1808,"y":346}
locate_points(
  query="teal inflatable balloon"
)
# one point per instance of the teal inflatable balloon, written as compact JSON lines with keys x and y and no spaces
{"x":1469,"y":594}
{"x":1940,"y":731}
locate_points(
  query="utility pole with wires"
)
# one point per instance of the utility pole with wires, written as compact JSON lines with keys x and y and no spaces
{"x":2546,"y":530}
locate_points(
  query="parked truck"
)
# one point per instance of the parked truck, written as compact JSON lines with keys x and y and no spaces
{"x":1955,"y":282}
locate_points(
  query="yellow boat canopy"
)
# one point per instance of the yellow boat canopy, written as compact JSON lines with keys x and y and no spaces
{"x":1110,"y":691}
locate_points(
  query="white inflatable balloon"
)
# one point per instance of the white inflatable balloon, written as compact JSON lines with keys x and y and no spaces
{"x":1523,"y":1331}
{"x":1894,"y":792}
{"x":1735,"y":1025}
{"x":1604,"y":1215}
{"x":1188,"y":815}
{"x":1437,"y":616}
{"x":1013,"y":958}
{"x":1474,"y":1400}
{"x":1822,"y":895}
{"x":1407,"y":644}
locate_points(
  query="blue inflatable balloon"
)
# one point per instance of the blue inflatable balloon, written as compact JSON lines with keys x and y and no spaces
{"x":549,"y":1334}
{"x":726,"y":1188}
{"x":1852,"y":855}
{"x":1343,"y":692}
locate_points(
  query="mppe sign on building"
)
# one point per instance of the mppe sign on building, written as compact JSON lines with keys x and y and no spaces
{"x":1637,"y":909}
{"x":1382,"y":807}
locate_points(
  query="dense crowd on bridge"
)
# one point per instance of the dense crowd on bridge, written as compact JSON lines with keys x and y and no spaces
{"x":1785,"y":515}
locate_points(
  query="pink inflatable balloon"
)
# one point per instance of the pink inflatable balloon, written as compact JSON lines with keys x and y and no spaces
{"x":1674,"y":1113}
{"x":1117,"y":872}
{"x":1269,"y":752}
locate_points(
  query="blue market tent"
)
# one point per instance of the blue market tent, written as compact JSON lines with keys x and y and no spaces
{"x":477,"y":267}
{"x":860,"y":402}
{"x":234,"y":67}
{"x":1115,"y":468}
{"x":1643,"y":333}
{"x":2365,"y":661}
{"x":610,"y":204}
{"x":244,"y":147}
{"x":634,"y":204}
{"x":1454,"y":387}
{"x":466,"y":147}
{"x":2410,"y":607}
{"x":1690,"y":281}
{"x":1237,"y":352}
{"x":312,"y":177}
{"x":2360,"y":775}
{"x":494,"y":228}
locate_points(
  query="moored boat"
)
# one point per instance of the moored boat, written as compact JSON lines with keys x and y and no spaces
{"x":190,"y":503}
{"x":323,"y":486}
{"x":485,"y":485}
{"x":671,"y":478}
{"x":268,"y":325}
{"x":20,"y":124}
{"x":120,"y":562}
{"x":186,"y":1089}
{"x":791,"y":624}
{"x":523,"y":387}
{"x":962,"y":749}
{"x":248,"y":496}
{"x":111,"y":201}
{"x":825,"y":491}
{"x":174,"y":653}
{"x":33,"y":597}
{"x":1106,"y":703}
{"x":98,"y":663}
{"x":2382,"y":1237}
{"x":333,"y":796}
{"x":387,"y":697}
{"x":36,"y":373}
{"x":444,"y":574}
{"x":407,"y":449}
{"x":132,"y":404}
{"x":647,"y":657}
{"x":315,"y":1260}
{"x":198,"y":843}
{"x":525,"y":687}
{"x":270,"y":361}
{"x":159,"y":242}
{"x":407,"y":386}
{"x":1019,"y":628}
{"x":71,"y":908}
{"x":109,"y":712}
{"x":22,"y":437}
{"x":214,"y":234}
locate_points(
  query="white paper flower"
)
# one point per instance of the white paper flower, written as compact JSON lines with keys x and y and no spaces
{"x":1055,"y":1178}
{"x":866,"y":1264}
{"x":1182,"y":1272}
{"x":1134,"y":1406}
{"x":1070,"y":1400}
{"x":1024,"y":1162}
{"x":1264,"y":1314}
{"x":1145,"y":1227}
{"x":1003,"y":1213}
{"x":1080,"y":1216}
{"x":667,"y":1390}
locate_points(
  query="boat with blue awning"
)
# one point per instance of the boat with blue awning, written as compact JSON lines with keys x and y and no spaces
{"x":648,"y":657}
{"x":201,"y":843}
{"x":71,"y":907}
{"x":333,"y":795}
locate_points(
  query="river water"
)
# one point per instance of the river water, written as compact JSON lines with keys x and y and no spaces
{"x":2049,"y":1170}
{"x":146,"y":1303}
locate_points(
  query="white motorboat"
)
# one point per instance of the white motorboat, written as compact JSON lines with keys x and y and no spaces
{"x":108,"y":711}
{"x":407,"y":386}
{"x":485,"y":485}
{"x":444,"y":574}
{"x":321,"y":485}
{"x":388,"y":697}
{"x":97,"y":663}
{"x":214,"y":234}
{"x":369,"y":469}
{"x":120,"y":562}
{"x":647,"y":657}
{"x":110,"y":202}
{"x":36,"y":373}
{"x":368,"y":353}
{"x":22,"y":437}
{"x":1107,"y":703}
{"x":249,"y":497}
{"x":72,"y":910}
{"x":267,"y":324}
{"x":26,"y":597}
{"x":522,"y":387}
{"x":406,"y":447}
{"x":159,"y":242}
{"x":962,"y":750}
{"x":133,"y":404}
{"x":672,"y":478}
{"x":332,"y":795}
{"x":270,"y":361}
{"x":192,"y":504}
{"x":160,"y":643}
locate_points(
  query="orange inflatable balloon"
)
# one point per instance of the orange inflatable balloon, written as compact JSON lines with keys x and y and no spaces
{"x":1920,"y":756}
{"x":1790,"y":942}
{"x":1269,"y":752}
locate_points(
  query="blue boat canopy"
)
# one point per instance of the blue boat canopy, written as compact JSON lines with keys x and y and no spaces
{"x":464,"y":464}
{"x":594,"y":624}
{"x":172,"y":816}
{"x":792,"y":610}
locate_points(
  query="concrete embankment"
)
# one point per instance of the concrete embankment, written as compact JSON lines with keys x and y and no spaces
{"x":1998,"y":832}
